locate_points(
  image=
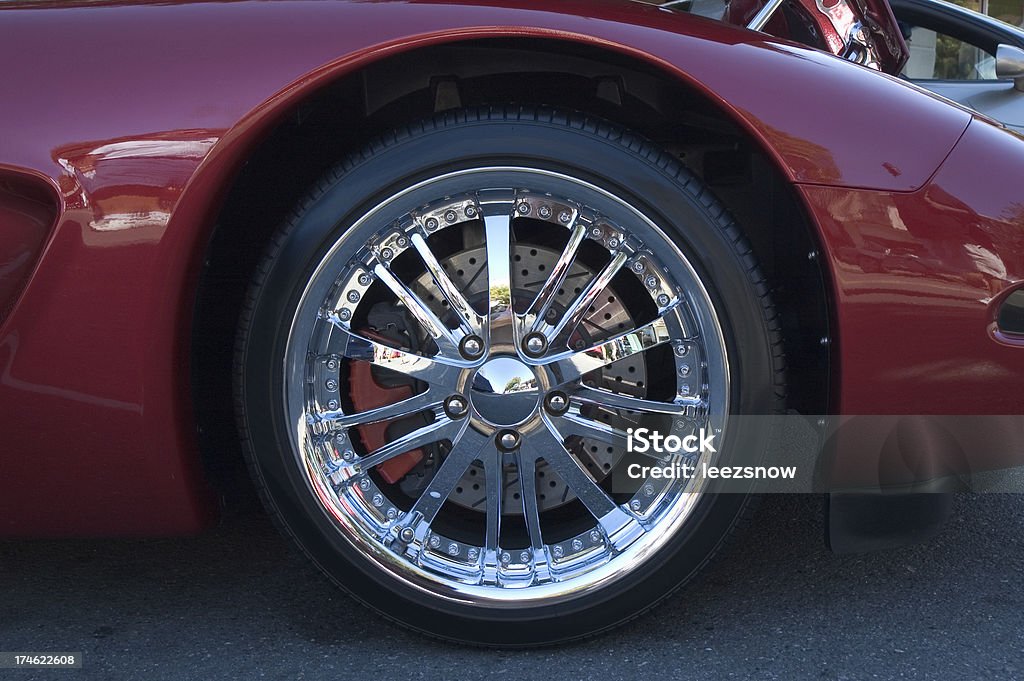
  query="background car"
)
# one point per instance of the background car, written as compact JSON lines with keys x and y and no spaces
{"x":421,"y":265}
{"x":954,"y":53}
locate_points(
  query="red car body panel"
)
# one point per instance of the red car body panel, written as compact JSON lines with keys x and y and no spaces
{"x":139,"y":116}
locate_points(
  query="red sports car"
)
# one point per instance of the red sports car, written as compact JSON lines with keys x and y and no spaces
{"x":429,"y":263}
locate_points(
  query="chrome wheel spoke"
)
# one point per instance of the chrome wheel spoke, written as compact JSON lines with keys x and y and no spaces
{"x":538,"y":309}
{"x":447,"y":343}
{"x":498,"y":228}
{"x":469,"y":319}
{"x":574,"y":423}
{"x":427,"y":399}
{"x":437,"y":371}
{"x":466,"y":450}
{"x":494,"y":479}
{"x":569,"y":366}
{"x":681,"y":406}
{"x":548,"y":446}
{"x":580,"y":307}
{"x":442,"y":428}
{"x":527,"y":469}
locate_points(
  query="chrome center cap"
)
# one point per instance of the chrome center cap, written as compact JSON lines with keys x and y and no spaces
{"x":504,"y":391}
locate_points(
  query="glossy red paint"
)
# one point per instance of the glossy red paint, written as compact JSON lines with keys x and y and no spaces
{"x":918,"y":280}
{"x":141,"y":114}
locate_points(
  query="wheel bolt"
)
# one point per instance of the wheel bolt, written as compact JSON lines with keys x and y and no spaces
{"x":508,"y":439}
{"x":344,"y":314}
{"x":472,"y":347}
{"x":557,"y":403}
{"x":364,"y":279}
{"x":535,"y":344}
{"x":663,"y":300}
{"x":387,"y":253}
{"x":407,"y":535}
{"x":456,"y":406}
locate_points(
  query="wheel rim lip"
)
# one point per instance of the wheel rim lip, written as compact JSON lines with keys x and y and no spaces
{"x":407,"y":574}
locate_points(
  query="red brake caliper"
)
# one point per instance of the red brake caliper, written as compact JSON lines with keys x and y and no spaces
{"x":366,"y":393}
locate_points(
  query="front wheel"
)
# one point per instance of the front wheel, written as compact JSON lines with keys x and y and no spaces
{"x":444,"y":349}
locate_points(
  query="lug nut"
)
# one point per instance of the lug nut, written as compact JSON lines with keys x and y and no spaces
{"x":557,"y":403}
{"x":456,"y":406}
{"x":534,"y":344}
{"x":471,"y":347}
{"x":508,"y":439}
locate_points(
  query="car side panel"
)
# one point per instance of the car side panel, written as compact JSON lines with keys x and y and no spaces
{"x":142,"y":113}
{"x":918,"y":280}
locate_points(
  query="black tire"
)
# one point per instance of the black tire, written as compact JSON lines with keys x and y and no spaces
{"x":603,"y":155}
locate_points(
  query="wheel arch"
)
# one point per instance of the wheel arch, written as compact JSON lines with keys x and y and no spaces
{"x":331,"y":112}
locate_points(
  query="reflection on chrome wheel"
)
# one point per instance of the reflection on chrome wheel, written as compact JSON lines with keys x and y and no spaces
{"x":462,"y":362}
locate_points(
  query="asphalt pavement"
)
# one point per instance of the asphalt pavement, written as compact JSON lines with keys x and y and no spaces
{"x":236,"y":603}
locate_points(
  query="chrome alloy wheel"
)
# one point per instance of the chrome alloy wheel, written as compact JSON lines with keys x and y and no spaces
{"x":514,"y":297}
